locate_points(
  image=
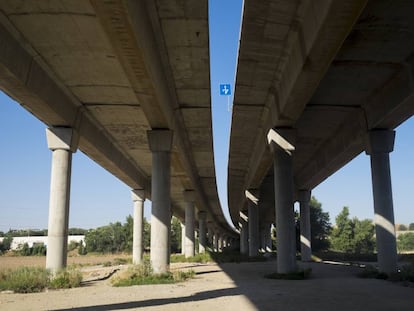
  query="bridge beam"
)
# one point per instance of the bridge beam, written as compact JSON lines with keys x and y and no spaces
{"x":138,"y":197}
{"x":63,"y":142}
{"x":160,"y":143}
{"x":380,"y":143}
{"x":281,"y":143}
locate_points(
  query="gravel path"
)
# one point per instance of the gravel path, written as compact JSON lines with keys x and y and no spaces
{"x":230,"y":287}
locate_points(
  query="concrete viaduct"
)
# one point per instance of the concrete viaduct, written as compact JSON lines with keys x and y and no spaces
{"x":318,"y":82}
{"x":127,"y":83}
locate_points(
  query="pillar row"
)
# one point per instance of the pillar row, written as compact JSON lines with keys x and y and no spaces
{"x":380,"y":143}
{"x":305,"y":226}
{"x":189,"y":197}
{"x":63,"y":142}
{"x":160,"y":143}
{"x":281,"y":143}
{"x":138,"y":197}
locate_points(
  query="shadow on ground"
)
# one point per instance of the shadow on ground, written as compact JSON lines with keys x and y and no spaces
{"x":330,"y":286}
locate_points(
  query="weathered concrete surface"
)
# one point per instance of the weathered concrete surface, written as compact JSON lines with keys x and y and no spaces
{"x":230,"y":287}
{"x":333,"y":70}
{"x":113,"y":70}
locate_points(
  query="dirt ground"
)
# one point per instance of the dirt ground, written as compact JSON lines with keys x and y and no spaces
{"x":13,"y":262}
{"x":232,"y":286}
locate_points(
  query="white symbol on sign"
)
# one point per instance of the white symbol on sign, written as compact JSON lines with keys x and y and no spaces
{"x":225,"y":89}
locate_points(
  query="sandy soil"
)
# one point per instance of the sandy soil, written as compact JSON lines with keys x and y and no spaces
{"x":229,"y":287}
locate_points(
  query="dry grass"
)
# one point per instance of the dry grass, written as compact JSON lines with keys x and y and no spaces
{"x":14,"y":262}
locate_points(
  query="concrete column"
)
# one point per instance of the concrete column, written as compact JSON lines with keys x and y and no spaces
{"x":160,"y":143}
{"x":244,"y":234}
{"x":182,"y":239}
{"x":305,"y":226}
{"x":63,"y":142}
{"x":210,"y":236}
{"x":253,"y":210}
{"x":269,"y":245}
{"x":216,"y":242}
{"x":220,"y":245}
{"x":189,"y":197}
{"x":138,"y":197}
{"x":380,"y":143}
{"x":266,"y":243}
{"x":202,"y":239}
{"x":281,"y":143}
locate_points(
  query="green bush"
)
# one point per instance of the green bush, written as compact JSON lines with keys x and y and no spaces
{"x":405,"y":242}
{"x":120,"y":261}
{"x":67,"y":278}
{"x":72,"y":245}
{"x":405,"y":274}
{"x":24,"y":280}
{"x":201,"y":258}
{"x":370,"y":272}
{"x":143,"y":274}
{"x":36,"y":279}
{"x":38,"y":249}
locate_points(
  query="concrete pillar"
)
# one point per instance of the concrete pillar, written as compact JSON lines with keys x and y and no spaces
{"x":253,"y":210}
{"x":210,"y":235}
{"x":220,"y":244}
{"x":160,"y":143}
{"x":305,"y":226}
{"x":182,"y":224}
{"x":138,"y":197}
{"x":63,"y":142}
{"x":269,"y":244}
{"x":189,"y":197}
{"x":281,"y":143}
{"x":266,"y":239}
{"x":216,"y":241}
{"x":202,"y":240}
{"x":244,"y":234}
{"x":380,"y":144}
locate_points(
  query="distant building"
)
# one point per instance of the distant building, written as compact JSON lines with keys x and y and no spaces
{"x":18,"y":242}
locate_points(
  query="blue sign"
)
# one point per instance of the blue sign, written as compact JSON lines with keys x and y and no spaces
{"x":225,"y":89}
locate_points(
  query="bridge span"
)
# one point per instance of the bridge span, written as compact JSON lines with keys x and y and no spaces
{"x":128,"y":83}
{"x":318,"y":82}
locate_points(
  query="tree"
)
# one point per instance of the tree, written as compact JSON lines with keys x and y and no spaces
{"x":114,"y":238}
{"x":82,"y":248}
{"x":353,"y":236}
{"x":320,"y":226}
{"x":411,"y":226}
{"x":343,"y":234}
{"x":363,"y":236}
{"x":77,"y":231}
{"x":147,"y":234}
{"x":6,"y":244}
{"x":175,"y":235}
{"x":402,"y":228}
{"x":405,"y":242}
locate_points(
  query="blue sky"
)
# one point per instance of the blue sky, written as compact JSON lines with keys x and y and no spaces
{"x":98,"y":198}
